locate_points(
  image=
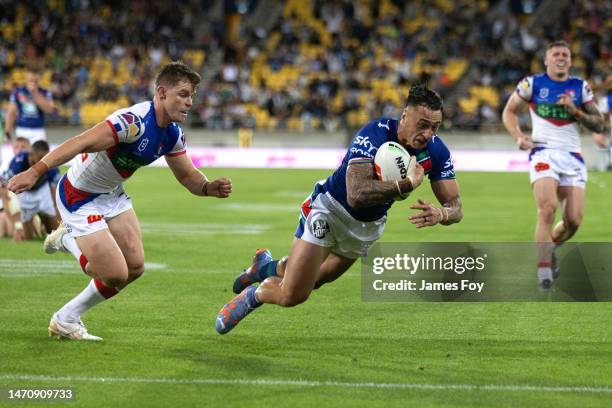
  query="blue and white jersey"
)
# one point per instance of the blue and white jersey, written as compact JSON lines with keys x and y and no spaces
{"x":139,"y":142}
{"x":20,"y":163}
{"x":553,"y":126}
{"x":435,"y":159}
{"x":29,"y":116}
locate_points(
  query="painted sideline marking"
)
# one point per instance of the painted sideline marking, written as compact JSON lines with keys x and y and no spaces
{"x":305,"y":383}
{"x":25,"y":268}
{"x":204,"y":229}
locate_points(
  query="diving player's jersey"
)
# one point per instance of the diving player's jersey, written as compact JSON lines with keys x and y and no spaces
{"x":139,"y":142}
{"x":20,"y":163}
{"x":30,"y":115}
{"x":553,"y":126}
{"x":435,"y":159}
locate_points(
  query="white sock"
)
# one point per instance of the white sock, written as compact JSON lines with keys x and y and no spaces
{"x":88,"y":298}
{"x":544,"y":273}
{"x":70,"y":244}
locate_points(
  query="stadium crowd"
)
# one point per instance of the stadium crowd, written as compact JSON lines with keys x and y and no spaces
{"x":323,"y":65}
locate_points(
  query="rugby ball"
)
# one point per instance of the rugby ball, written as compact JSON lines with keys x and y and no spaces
{"x":391,"y":163}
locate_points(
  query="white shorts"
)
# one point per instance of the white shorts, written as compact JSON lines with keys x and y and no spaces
{"x":324,"y":222}
{"x":565,"y":167}
{"x":32,"y":134}
{"x":91,"y":216}
{"x":36,"y":201}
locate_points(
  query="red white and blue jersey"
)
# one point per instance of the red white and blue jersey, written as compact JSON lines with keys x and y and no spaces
{"x":553,"y":126}
{"x":435,"y":159}
{"x":30,"y":115}
{"x":139,"y":142}
{"x":20,"y":163}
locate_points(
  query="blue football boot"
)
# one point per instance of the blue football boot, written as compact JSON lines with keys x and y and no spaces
{"x":249,"y":276}
{"x":237,"y":309}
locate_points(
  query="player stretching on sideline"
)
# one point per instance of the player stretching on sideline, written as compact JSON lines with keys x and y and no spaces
{"x":346,"y":213}
{"x":558,"y":104}
{"x":101,"y":229}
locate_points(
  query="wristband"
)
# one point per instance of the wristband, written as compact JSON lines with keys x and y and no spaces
{"x":204,"y":189}
{"x":399,"y":190}
{"x":40,"y":167}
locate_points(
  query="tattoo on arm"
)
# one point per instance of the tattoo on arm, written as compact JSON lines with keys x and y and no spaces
{"x":455,"y":214}
{"x":592,"y":119}
{"x":363,"y":190}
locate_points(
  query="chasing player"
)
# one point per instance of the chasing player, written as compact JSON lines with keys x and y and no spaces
{"x":27,"y":107}
{"x":346,"y":213}
{"x":558,"y":103}
{"x":101,"y":229}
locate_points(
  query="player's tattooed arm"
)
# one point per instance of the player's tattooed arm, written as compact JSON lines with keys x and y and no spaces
{"x":590,"y":118}
{"x":452,"y":211}
{"x":363,"y":190}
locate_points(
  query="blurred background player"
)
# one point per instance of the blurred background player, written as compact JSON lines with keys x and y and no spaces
{"x":100,"y":226}
{"x":604,"y":139}
{"x":39,"y":199}
{"x":346,"y":214}
{"x":27,"y":107}
{"x":558,"y":104}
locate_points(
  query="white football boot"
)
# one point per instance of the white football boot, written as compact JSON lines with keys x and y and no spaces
{"x":69,"y":331}
{"x":53,"y":242}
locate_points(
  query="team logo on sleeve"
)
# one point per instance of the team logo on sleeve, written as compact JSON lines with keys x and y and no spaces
{"x":320,"y":228}
{"x":524,"y":84}
{"x":132,"y":126}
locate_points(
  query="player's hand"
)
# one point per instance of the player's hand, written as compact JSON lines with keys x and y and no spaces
{"x":22,"y":181}
{"x":429,"y":215}
{"x":416,"y":173}
{"x":524,"y":143}
{"x":567,"y":101}
{"x":221,"y":188}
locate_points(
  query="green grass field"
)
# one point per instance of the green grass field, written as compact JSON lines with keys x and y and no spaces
{"x":161,"y":348}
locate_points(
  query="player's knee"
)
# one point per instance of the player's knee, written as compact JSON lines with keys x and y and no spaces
{"x":136,"y":270}
{"x":293,"y":297}
{"x":572,"y":223}
{"x":115,"y":280}
{"x":546,"y":212}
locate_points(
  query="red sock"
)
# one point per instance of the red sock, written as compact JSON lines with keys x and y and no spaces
{"x":105,"y":290}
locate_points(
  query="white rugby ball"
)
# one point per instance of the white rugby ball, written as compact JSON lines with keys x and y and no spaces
{"x":391,"y":163}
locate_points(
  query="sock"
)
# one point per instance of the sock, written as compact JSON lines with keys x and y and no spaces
{"x":71,"y":245}
{"x":94,"y":293}
{"x":267,"y":270}
{"x":251,"y":299}
{"x":544,"y":271}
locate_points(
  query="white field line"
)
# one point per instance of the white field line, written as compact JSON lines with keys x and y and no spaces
{"x":24,"y":268}
{"x":306,"y":383}
{"x":204,"y":229}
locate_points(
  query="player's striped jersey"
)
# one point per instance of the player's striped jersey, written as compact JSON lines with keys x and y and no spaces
{"x":139,"y":142}
{"x":30,"y":115}
{"x":20,"y":163}
{"x":553,"y":126}
{"x":435,"y":159}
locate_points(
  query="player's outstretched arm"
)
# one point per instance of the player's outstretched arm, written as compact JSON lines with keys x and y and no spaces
{"x":447,"y":193}
{"x":195,"y":181}
{"x":364,"y":190}
{"x":100,"y":137}
{"x":9,"y":120}
{"x":511,"y":121}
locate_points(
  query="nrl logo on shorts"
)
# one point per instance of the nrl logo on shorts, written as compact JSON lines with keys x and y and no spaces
{"x":320,"y":228}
